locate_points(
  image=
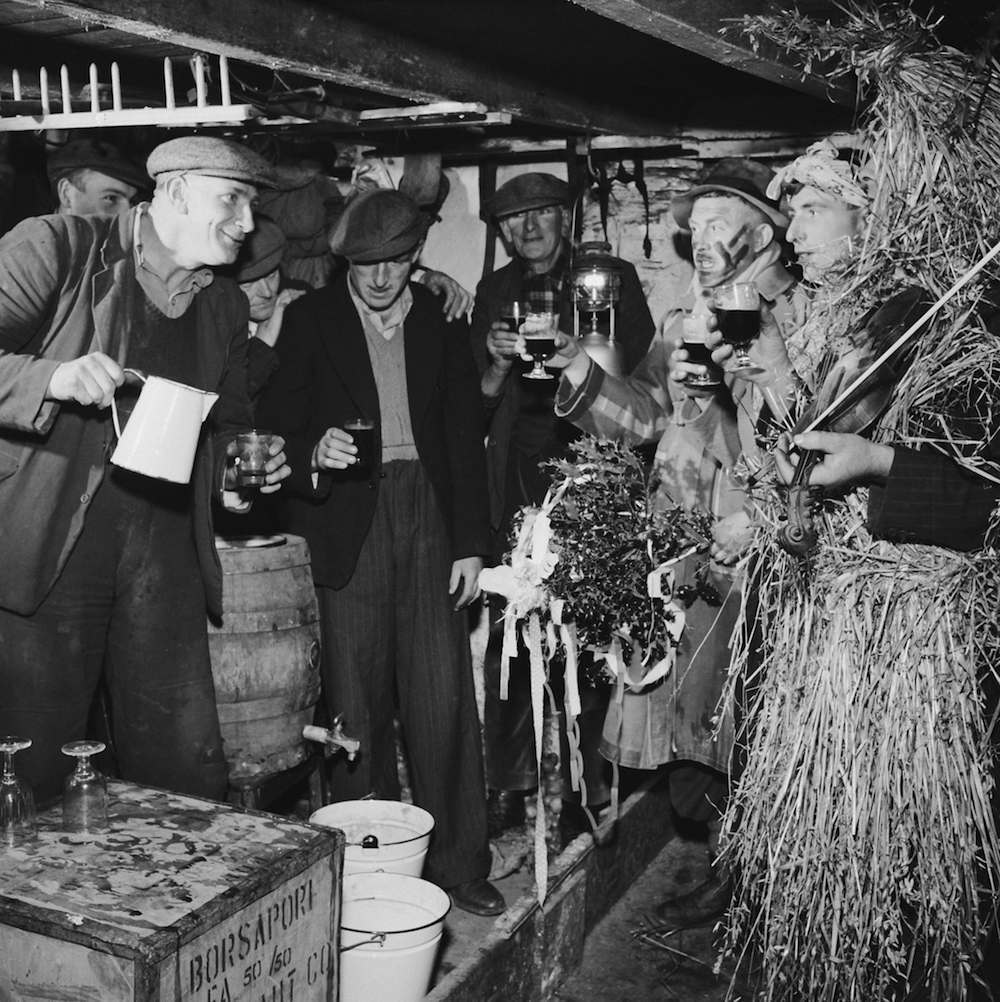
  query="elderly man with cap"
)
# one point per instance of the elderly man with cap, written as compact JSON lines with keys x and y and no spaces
{"x":107,"y":572}
{"x":533,"y":214}
{"x":700,"y":434}
{"x":91,"y":177}
{"x":396,"y":523}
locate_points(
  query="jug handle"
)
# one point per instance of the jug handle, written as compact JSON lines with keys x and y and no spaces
{"x":114,"y":410}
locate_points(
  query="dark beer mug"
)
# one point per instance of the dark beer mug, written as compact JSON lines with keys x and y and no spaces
{"x":362,"y":432}
{"x":700,"y":354}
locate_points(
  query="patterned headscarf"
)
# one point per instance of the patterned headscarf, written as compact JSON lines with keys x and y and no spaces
{"x":819,"y":168}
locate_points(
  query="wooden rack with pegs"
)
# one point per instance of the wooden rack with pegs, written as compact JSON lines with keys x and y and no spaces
{"x":14,"y":119}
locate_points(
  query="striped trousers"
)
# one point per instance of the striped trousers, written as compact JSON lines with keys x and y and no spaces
{"x":393,"y":643}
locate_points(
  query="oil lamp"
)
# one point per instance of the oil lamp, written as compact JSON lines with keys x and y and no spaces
{"x":597,"y":277}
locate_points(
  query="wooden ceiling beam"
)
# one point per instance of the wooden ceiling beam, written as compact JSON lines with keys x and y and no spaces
{"x":313,"y":40}
{"x":695,"y":25}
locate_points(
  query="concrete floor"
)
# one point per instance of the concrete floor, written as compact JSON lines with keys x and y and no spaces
{"x":624,"y":959}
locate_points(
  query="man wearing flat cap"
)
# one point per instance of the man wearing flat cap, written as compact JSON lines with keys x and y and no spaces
{"x":108,"y":573}
{"x":397,"y":537}
{"x":258,"y":272}
{"x":533,"y":213}
{"x":735,"y":236}
{"x":92,"y":177}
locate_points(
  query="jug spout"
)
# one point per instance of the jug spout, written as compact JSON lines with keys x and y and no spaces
{"x":208,"y":403}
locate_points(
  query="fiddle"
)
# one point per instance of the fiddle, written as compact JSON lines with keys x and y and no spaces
{"x":855,"y":391}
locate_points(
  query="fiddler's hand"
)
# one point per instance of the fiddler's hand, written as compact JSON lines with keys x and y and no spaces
{"x":463,"y":584}
{"x":90,"y":380}
{"x":457,"y":299}
{"x":845,"y":459}
{"x":731,"y":538}
{"x":334,"y":451}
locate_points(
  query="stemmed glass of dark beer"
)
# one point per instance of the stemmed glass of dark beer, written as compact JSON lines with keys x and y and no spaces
{"x":737,"y":314}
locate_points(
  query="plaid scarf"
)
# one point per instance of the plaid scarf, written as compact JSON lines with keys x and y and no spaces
{"x":543,"y":293}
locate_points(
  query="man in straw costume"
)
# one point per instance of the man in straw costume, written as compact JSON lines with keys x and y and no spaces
{"x":736,"y":232}
{"x":862,"y":836}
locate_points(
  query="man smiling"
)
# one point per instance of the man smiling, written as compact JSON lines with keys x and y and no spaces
{"x":107,"y":572}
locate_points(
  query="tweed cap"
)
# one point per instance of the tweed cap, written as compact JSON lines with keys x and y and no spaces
{"x":747,"y":179}
{"x":377,"y":225}
{"x":527,"y":191}
{"x":98,"y":155}
{"x":211,"y":156}
{"x":262,"y":251}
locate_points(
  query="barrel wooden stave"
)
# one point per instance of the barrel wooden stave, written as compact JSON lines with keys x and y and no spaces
{"x":265,"y":657}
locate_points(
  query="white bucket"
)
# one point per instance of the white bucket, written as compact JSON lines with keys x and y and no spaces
{"x":382,"y":835}
{"x":390,"y":929}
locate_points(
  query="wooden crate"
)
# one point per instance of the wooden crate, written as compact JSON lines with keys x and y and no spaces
{"x":182,"y":900}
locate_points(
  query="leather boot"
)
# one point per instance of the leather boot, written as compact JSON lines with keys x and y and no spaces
{"x":702,"y":905}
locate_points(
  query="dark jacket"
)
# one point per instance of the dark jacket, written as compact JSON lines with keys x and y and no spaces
{"x":325,"y":379}
{"x":66,"y":287}
{"x":634,"y":330}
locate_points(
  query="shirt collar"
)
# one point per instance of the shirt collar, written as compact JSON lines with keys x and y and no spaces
{"x":385,"y":322}
{"x":153,"y":257}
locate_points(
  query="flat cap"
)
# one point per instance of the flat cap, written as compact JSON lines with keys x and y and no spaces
{"x":212,"y":156}
{"x":527,"y":191}
{"x":262,"y":251}
{"x":98,"y":155}
{"x":377,"y":225}
{"x":748,"y":179}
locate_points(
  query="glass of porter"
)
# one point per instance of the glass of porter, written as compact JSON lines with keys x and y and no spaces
{"x":513,"y":313}
{"x":362,"y":432}
{"x":539,"y":335}
{"x":699,"y":353}
{"x":737,"y":313}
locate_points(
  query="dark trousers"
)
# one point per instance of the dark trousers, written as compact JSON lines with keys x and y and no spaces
{"x":510,"y":733}
{"x":129,"y":603}
{"x":391,"y":634}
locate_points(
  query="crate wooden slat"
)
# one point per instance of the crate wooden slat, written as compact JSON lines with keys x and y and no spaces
{"x":181,"y":900}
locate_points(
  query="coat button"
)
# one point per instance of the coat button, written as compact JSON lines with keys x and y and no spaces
{"x":84,"y":499}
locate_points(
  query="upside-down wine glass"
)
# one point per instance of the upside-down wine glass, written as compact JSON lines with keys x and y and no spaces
{"x":85,"y":795}
{"x":17,"y":802}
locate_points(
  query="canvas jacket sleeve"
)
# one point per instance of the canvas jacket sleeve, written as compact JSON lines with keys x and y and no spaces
{"x":32,"y":257}
{"x":635,"y":409}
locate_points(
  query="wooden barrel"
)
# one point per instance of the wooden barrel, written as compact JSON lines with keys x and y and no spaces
{"x":265,"y":654}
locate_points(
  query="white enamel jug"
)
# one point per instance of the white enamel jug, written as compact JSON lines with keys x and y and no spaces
{"x":161,"y":436}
